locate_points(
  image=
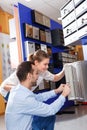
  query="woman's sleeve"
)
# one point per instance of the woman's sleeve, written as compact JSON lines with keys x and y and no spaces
{"x":11,"y":80}
{"x":48,"y":76}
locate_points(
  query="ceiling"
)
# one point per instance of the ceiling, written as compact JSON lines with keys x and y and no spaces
{"x":50,"y":8}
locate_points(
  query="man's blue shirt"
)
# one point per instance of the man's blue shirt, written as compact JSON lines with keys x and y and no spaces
{"x":23,"y":104}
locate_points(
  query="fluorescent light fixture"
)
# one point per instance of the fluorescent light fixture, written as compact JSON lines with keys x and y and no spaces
{"x":59,"y":18}
{"x":27,"y":0}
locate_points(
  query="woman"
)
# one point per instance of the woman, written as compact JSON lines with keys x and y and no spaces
{"x":41,"y":61}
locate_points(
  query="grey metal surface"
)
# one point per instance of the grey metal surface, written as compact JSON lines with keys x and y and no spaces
{"x":76,"y":76}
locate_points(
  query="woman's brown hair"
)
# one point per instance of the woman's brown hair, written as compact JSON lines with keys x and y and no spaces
{"x":39,"y":55}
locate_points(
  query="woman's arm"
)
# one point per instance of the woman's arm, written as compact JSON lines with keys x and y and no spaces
{"x":59,"y":76}
{"x":8,"y":87}
{"x":8,"y":83}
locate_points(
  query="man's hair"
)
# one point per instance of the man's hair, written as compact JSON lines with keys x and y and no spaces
{"x":23,"y":69}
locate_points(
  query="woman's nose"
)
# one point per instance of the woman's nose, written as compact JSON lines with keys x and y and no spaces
{"x":47,"y":66}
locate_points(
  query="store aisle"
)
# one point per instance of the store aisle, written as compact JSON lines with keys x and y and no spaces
{"x":77,"y":121}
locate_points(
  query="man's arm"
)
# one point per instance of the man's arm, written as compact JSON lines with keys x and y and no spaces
{"x":35,"y":107}
{"x":46,"y":95}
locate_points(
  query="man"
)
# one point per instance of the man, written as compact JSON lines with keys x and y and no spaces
{"x":23,"y":104}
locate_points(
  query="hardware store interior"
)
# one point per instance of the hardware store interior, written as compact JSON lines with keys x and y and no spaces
{"x":58,"y":29}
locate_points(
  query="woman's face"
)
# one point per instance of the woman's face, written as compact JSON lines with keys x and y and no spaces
{"x":43,"y":65}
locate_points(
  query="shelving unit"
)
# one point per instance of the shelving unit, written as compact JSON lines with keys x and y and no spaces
{"x":31,"y":23}
{"x":25,"y":16}
{"x":74,"y":21}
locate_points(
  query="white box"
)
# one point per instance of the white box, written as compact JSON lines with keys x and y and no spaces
{"x":29,"y":48}
{"x":67,"y":9}
{"x":82,"y":32}
{"x":70,"y":18}
{"x":44,"y":47}
{"x":76,"y":2}
{"x":71,"y":39}
{"x":82,"y":20}
{"x":46,"y":21}
{"x":48,"y":36}
{"x":81,"y":8}
{"x":70,"y":29}
{"x":36,"y":33}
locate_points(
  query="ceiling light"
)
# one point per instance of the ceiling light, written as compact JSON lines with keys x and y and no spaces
{"x":28,"y":0}
{"x":59,"y":18}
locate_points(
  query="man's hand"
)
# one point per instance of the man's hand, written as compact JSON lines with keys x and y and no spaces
{"x":66,"y":90}
{"x":60,"y":89}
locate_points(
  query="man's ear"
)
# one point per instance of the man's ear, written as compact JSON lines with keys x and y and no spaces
{"x":28,"y":75}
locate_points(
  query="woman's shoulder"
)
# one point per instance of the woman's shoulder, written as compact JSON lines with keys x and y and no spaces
{"x":46,"y":73}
